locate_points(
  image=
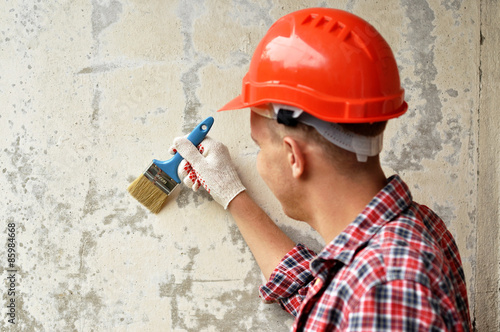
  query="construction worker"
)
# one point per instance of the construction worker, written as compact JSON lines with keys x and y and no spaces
{"x":321,"y":86}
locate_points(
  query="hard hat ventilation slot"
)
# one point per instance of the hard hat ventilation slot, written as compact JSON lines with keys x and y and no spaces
{"x":337,"y":28}
{"x":309,"y":19}
{"x":317,"y":21}
{"x":323,"y":21}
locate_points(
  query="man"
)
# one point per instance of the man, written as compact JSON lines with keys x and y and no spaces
{"x":321,"y":86}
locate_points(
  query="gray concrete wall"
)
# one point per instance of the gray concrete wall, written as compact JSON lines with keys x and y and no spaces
{"x":487,"y":209}
{"x":92,"y":90}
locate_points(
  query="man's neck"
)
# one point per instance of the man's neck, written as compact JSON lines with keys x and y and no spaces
{"x":339,"y":199}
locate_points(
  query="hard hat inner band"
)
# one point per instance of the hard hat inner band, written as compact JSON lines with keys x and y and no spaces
{"x":362,"y":146}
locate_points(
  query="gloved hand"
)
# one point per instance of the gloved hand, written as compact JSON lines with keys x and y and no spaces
{"x":210,"y":167}
{"x":186,"y":172}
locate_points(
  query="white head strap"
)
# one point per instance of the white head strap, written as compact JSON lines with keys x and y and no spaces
{"x":362,"y":146}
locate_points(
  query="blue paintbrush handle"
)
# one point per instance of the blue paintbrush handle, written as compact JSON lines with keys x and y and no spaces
{"x":196,"y":137}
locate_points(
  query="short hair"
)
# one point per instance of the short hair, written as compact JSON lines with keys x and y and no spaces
{"x":344,"y":160}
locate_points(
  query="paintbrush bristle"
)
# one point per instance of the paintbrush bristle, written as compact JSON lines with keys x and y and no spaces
{"x":147,"y":193}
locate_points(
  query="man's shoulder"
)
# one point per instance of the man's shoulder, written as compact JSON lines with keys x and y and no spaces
{"x":403,"y":249}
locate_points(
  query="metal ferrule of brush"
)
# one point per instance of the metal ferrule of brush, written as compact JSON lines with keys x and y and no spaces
{"x":160,"y":179}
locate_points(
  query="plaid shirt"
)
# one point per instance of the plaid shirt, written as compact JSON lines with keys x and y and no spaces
{"x":394,"y":268}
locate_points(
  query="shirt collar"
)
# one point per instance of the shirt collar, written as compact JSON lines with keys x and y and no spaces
{"x":394,"y":198}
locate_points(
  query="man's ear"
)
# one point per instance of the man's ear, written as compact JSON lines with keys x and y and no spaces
{"x":295,"y":156}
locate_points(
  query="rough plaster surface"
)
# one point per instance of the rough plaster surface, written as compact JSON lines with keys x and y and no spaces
{"x":489,"y":173}
{"x":93,"y":90}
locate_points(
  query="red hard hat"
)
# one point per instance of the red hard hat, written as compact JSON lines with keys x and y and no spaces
{"x":327,"y":62}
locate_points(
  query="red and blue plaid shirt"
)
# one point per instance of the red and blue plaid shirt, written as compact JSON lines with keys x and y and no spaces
{"x":396,"y":267}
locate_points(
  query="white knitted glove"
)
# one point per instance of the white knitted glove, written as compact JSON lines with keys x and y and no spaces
{"x":210,"y":167}
{"x":185,"y":171}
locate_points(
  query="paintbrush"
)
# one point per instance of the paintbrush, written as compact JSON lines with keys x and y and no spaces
{"x":153,"y":187}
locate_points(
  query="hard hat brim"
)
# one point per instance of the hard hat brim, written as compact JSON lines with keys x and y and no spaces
{"x":235,"y":104}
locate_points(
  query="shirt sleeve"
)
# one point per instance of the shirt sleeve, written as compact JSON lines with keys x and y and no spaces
{"x":290,"y":281}
{"x":398,"y":305}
